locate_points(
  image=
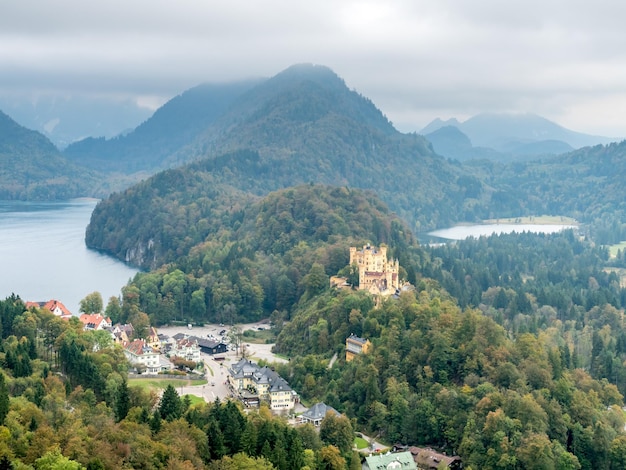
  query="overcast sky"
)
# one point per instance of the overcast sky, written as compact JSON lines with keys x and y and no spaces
{"x":416,"y":59}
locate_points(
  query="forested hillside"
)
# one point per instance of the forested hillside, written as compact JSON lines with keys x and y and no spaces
{"x":249,"y":259}
{"x":302,"y":126}
{"x":585,"y":184}
{"x":524,"y":372}
{"x":66,"y":403}
{"x":31,"y":168}
{"x":174,"y":125}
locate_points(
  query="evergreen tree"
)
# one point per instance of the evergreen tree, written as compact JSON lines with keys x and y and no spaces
{"x":216,"y":440}
{"x":4,"y":399}
{"x":249,"y":438}
{"x":170,"y":406}
{"x":122,"y":401}
{"x":155,"y":422}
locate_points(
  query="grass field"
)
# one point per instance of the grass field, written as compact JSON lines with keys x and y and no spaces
{"x":259,"y":336}
{"x":613,"y":248}
{"x":195,"y":399}
{"x":360,"y":443}
{"x":156,"y":383}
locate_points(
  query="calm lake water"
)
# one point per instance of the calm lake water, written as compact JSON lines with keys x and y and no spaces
{"x":461,"y":232}
{"x":43,"y":254}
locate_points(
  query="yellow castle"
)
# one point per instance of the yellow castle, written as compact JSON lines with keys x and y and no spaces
{"x":376,"y":274}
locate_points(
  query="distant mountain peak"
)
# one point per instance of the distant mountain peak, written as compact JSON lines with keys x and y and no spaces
{"x":518,"y":132}
{"x":437,"y":124}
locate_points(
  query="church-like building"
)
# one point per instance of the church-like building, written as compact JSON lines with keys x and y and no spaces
{"x":377,"y":274}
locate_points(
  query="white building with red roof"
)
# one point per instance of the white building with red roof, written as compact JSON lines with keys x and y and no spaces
{"x":53,"y":306}
{"x":139,"y":353}
{"x":186,"y":348}
{"x":95,"y":321}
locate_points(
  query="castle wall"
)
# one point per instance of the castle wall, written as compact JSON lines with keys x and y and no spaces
{"x":376,"y":273}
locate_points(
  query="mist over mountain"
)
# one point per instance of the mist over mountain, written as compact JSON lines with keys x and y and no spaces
{"x":450,"y":142}
{"x":32,"y":168}
{"x":67,"y":119}
{"x":305,"y":126}
{"x":511,"y":135}
{"x":174,"y":125}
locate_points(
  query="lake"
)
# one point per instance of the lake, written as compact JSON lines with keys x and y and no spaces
{"x":43,"y":254}
{"x":461,"y":232}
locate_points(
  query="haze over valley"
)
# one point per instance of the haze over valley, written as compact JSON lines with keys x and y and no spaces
{"x":206,"y":166}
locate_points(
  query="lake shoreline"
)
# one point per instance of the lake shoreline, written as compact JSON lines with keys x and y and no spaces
{"x":463,"y":231}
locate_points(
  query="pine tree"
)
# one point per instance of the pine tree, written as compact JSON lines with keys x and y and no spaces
{"x":155,"y":422}
{"x":171,"y":405}
{"x":216,"y":440}
{"x":122,"y":401}
{"x":4,"y":399}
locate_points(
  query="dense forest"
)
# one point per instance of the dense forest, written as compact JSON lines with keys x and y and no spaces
{"x":490,"y":380}
{"x":253,"y":259}
{"x":585,"y":184}
{"x":33,"y":169}
{"x":508,"y":350}
{"x":515,"y":373}
{"x":66,"y":403}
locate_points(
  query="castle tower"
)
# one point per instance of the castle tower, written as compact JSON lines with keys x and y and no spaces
{"x":376,"y":273}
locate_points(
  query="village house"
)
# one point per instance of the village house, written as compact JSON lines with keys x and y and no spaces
{"x":356,"y":345}
{"x":152,"y":339}
{"x":140,"y":354}
{"x":185,"y":347}
{"x":254,"y":384}
{"x":94,"y":321}
{"x":317,"y":413}
{"x":53,"y":306}
{"x":122,"y":333}
{"x":429,"y":459}
{"x":389,"y":461}
{"x":212,"y":347}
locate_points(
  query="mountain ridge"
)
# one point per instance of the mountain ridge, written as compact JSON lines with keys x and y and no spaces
{"x":33,"y":169}
{"x":521,"y":133}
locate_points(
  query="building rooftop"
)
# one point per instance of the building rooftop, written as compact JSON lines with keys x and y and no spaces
{"x":318,"y":411}
{"x":390,"y":461}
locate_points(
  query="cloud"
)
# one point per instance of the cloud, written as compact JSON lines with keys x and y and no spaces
{"x":415,"y":60}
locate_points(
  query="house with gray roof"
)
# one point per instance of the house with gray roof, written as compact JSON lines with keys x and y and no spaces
{"x":317,"y":413}
{"x":248,"y":380}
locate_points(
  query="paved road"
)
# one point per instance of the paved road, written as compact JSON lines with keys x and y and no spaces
{"x":216,"y":372}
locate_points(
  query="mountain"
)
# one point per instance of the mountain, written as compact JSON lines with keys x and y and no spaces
{"x":67,"y":119}
{"x":450,"y":142}
{"x":305,"y":126}
{"x":32,"y":168}
{"x":174,"y":125}
{"x":438,"y":123}
{"x":519,"y":134}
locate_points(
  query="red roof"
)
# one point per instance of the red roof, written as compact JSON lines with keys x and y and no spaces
{"x":138,"y":347}
{"x":54,"y":306}
{"x":93,"y":320}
